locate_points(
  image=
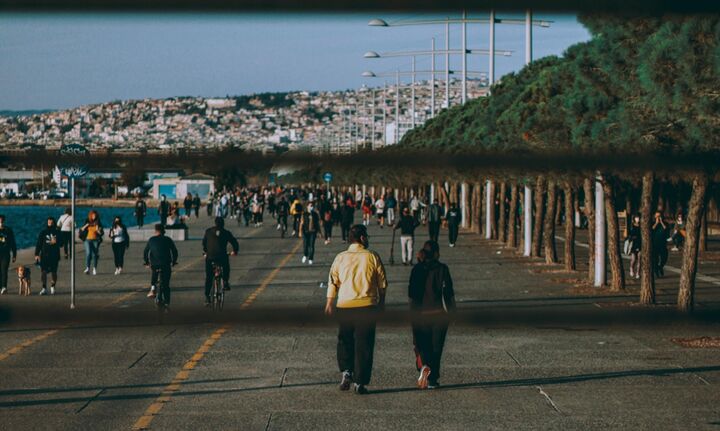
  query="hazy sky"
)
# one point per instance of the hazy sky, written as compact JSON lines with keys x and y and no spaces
{"x":62,"y":61}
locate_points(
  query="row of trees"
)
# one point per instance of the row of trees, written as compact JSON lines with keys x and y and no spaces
{"x":641,"y":89}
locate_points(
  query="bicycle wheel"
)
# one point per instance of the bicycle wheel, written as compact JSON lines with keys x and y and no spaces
{"x":221,"y":294}
{"x":215,"y":290}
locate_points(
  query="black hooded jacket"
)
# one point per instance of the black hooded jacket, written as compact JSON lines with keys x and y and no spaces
{"x":430,"y":283}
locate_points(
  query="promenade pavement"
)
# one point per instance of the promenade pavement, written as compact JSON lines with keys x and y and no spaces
{"x":532,"y":348}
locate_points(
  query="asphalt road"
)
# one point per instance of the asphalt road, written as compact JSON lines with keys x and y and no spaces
{"x":531,"y":349}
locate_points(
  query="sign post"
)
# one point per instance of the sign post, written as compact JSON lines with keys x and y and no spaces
{"x":73,"y":170}
{"x":327,"y":176}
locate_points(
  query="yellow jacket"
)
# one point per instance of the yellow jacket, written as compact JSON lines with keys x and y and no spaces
{"x":357,"y":278}
{"x":292,"y":207}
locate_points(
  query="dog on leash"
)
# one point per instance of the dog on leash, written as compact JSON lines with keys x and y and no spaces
{"x":23,"y":273}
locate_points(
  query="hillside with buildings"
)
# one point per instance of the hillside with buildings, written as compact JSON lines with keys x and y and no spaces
{"x":323,"y":122}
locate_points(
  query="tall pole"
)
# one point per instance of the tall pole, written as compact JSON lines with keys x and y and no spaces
{"x":599,"y":233}
{"x":489,"y":208}
{"x":527,"y":207}
{"x":372,"y":118}
{"x":491,"y":72}
{"x":72,"y":243}
{"x":412,"y":95}
{"x":464,"y":57}
{"x":432,"y":80}
{"x":447,"y":64}
{"x":384,"y":115}
{"x":397,"y":106}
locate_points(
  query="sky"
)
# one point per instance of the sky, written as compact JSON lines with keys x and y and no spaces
{"x":66,"y":60}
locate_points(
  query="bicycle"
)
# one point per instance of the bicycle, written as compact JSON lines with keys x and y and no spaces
{"x":162,"y":291}
{"x":217,"y":293}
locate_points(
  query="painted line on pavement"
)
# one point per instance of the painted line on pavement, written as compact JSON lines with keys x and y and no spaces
{"x":29,"y":342}
{"x":165,"y":396}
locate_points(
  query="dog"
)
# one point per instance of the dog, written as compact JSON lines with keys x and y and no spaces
{"x":23,"y":273}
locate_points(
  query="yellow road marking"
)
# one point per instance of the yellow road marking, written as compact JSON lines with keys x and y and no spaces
{"x":154,"y":409}
{"x":27,"y":343}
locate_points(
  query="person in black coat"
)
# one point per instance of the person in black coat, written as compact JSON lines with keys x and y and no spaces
{"x":47,"y":254}
{"x":347,"y":217}
{"x":215,"y":243}
{"x":8,"y":251}
{"x":160,"y":255}
{"x":431,"y":300}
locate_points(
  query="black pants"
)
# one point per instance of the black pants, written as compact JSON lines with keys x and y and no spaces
{"x":188,"y":211}
{"x":163,"y":290}
{"x":209,"y":275}
{"x":118,"y":249}
{"x":140,"y":220}
{"x":296,"y":222}
{"x":327,"y":229}
{"x":4,"y":268}
{"x":429,"y":341}
{"x":659,"y":259}
{"x":356,"y":342}
{"x":197,"y":211}
{"x":345,"y":228}
{"x":434,"y":230}
{"x":65,"y":238}
{"x":452,"y":233}
{"x":309,"y":244}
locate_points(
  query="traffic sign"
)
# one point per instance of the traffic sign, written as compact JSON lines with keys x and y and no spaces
{"x":327,"y":177}
{"x":73,"y":169}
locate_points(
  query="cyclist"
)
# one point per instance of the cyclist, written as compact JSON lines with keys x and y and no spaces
{"x":215,"y":244}
{"x":160,"y":255}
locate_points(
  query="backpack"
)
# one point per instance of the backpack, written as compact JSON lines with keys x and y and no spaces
{"x":298,"y":207}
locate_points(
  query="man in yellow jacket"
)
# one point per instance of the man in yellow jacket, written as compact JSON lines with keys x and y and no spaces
{"x":356,"y":292}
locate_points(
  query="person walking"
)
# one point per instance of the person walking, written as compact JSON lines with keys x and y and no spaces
{"x":296,"y":210}
{"x":91,"y":234}
{"x":659,"y":245}
{"x":635,"y":239}
{"x":390,"y":205}
{"x":367,"y":205}
{"x":380,"y":211}
{"x":215,"y":244}
{"x":309,"y":227}
{"x":120,"y":243}
{"x":140,"y":212}
{"x":356,"y":292}
{"x":163,"y":209}
{"x":187,"y":204}
{"x":8,"y":252}
{"x":434,"y":218}
{"x":453,"y":218}
{"x":347,"y":217}
{"x":47,"y":254}
{"x":65,"y":223}
{"x":431,"y":300}
{"x":407,"y":225}
{"x":679,"y":233}
{"x":160,"y":255}
{"x":196,"y":203}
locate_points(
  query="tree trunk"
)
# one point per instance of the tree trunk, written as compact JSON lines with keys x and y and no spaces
{"x":647,"y":275}
{"x":493,"y":219}
{"x":569,"y":255}
{"x":477,"y":210}
{"x":512,"y":216}
{"x":558,"y":207}
{"x":588,"y":190}
{"x":539,"y":213}
{"x":704,"y":230}
{"x":549,"y":234}
{"x":502,"y":219}
{"x":686,"y":294}
{"x":617,"y":275}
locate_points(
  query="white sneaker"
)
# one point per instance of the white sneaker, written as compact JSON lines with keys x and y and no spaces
{"x":43,"y":292}
{"x":116,"y":271}
{"x":632,"y":274}
{"x":310,"y":262}
{"x":119,"y":270}
{"x":94,"y":271}
{"x":151,"y":294}
{"x":3,"y":290}
{"x":278,"y":227}
{"x":52,"y":290}
{"x":303,"y":259}
{"x":87,"y":270}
